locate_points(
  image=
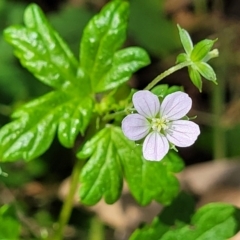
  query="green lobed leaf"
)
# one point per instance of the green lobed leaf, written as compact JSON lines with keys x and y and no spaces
{"x":41,"y":50}
{"x":206,"y":71}
{"x":170,"y":216}
{"x":124,"y":63}
{"x":36,"y":123}
{"x":110,"y":154}
{"x":216,"y":220}
{"x":105,"y":66}
{"x":212,"y":221}
{"x":201,"y":49}
{"x":75,"y":117}
{"x":30,"y":134}
{"x":102,"y":174}
{"x":153,"y":232}
{"x":67,"y":109}
{"x":104,"y":34}
{"x":195,"y":77}
{"x":185,"y":40}
{"x":153,"y":180}
{"x":69,"y":21}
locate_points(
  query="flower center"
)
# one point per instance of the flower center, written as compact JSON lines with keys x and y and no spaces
{"x":159,"y":124}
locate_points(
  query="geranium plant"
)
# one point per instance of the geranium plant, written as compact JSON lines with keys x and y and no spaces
{"x":120,"y":132}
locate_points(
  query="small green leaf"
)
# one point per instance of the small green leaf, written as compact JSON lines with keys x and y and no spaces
{"x":185,"y":40}
{"x":163,"y":90}
{"x":160,"y":90}
{"x":201,"y":49}
{"x":68,"y":109}
{"x":213,"y":221}
{"x":41,"y":50}
{"x":206,"y":71}
{"x":195,"y":77}
{"x":111,"y":154}
{"x":174,"y":88}
{"x":182,"y":57}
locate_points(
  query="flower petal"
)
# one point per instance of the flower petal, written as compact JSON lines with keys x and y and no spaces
{"x":146,"y":103}
{"x":182,"y":133}
{"x":175,"y":105}
{"x":135,"y":126}
{"x":155,"y":146}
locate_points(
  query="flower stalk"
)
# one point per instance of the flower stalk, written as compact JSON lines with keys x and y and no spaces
{"x":68,"y":203}
{"x":166,"y":73}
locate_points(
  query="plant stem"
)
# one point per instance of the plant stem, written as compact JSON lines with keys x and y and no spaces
{"x":218,"y":102}
{"x":219,"y":138}
{"x":67,"y":205}
{"x":96,"y":231}
{"x":227,"y":36}
{"x":113,"y":115}
{"x":166,"y":73}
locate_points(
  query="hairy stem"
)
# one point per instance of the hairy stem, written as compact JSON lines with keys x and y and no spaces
{"x":67,"y":205}
{"x":165,"y":74}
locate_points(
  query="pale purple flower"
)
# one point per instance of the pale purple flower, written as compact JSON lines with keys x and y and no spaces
{"x":160,"y":124}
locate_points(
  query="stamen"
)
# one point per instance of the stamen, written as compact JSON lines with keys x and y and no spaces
{"x":159,"y":124}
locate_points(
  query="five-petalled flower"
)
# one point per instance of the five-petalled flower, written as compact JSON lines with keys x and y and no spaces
{"x":161,"y":124}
